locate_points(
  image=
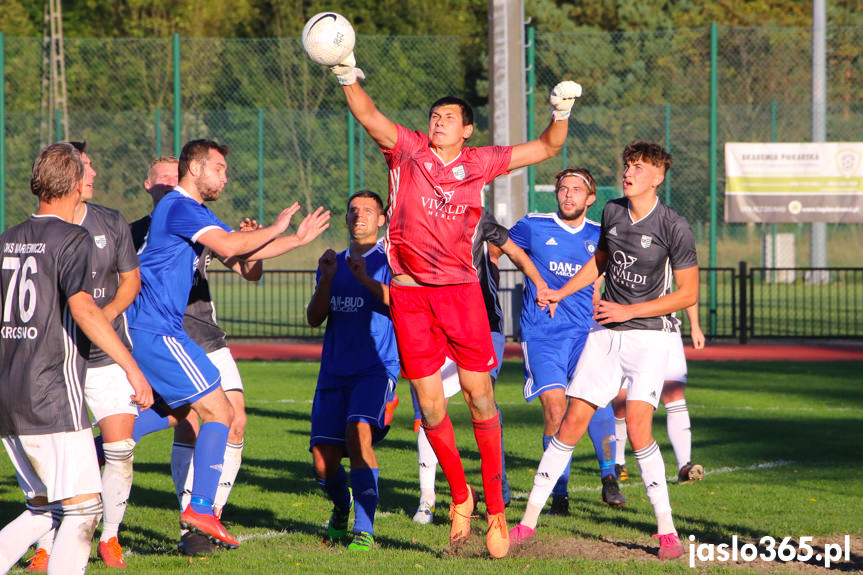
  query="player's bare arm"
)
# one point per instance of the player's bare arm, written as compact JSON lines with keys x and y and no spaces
{"x":523,"y":262}
{"x":310,"y":228}
{"x":383,"y":131}
{"x":92,"y":322}
{"x":319,"y":307}
{"x":231,"y":244}
{"x":551,"y":140}
{"x":129,"y":284}
{"x":358,"y":269}
{"x":685,"y":296}
{"x":250,"y":270}
{"x":586,"y":276}
{"x":698,"y":339}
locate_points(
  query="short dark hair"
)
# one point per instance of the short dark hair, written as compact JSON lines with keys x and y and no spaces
{"x":650,"y":152}
{"x":367,"y":194}
{"x":466,"y":110}
{"x":198,"y":150}
{"x":80,"y":146}
{"x":583,"y":173}
{"x":57,"y":172}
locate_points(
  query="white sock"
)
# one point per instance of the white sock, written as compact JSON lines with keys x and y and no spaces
{"x":22,"y":531}
{"x":677,"y":418}
{"x":181,"y":471}
{"x":46,"y":542}
{"x":72,"y":546}
{"x":116,"y":485}
{"x":230,"y":468}
{"x":427,"y":466}
{"x":620,"y":438}
{"x":652,"y":470}
{"x":554,"y":461}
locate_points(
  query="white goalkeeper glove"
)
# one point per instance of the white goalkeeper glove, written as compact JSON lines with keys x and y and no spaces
{"x":347,"y":72}
{"x":562,"y":98}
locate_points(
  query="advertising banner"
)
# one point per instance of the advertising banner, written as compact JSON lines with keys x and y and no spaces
{"x":805,"y":182}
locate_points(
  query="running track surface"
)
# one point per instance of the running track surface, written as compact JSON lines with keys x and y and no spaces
{"x":312,"y":352}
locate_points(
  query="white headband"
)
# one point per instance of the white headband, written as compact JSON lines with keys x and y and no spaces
{"x":577,"y":175}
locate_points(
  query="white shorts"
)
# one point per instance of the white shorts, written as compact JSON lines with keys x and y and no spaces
{"x":67,"y":464}
{"x":226,"y":365}
{"x":676,"y":370}
{"x":449,"y":374}
{"x":641,"y":356}
{"x":108,"y":392}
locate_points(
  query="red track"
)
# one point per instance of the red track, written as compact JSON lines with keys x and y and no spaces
{"x":312,"y":352}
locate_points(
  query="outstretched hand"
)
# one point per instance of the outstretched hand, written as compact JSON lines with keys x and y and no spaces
{"x":313,"y":225}
{"x":249,"y":225}
{"x":283,"y":220}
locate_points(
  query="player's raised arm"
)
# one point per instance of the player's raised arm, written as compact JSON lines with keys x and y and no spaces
{"x":310,"y":228}
{"x":319,"y":306}
{"x":380,"y":128}
{"x":551,"y":140}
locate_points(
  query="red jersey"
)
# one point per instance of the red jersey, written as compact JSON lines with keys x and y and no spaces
{"x":434,"y":209}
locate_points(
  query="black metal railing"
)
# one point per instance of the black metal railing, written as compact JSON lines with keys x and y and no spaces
{"x":749,"y":303}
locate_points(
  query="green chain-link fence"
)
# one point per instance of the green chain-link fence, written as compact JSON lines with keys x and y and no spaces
{"x":286,"y":121}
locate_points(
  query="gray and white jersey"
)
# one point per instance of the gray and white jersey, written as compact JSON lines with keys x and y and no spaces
{"x":114,"y":254}
{"x":199,"y":320}
{"x":641,"y":258}
{"x":43,"y":361}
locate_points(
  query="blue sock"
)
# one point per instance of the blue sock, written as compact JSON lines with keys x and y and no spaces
{"x":100,"y":447}
{"x":336,"y":488}
{"x":208,"y":458}
{"x":601,"y":430}
{"x":147,"y":422}
{"x":365,"y":485}
{"x":561,"y":485}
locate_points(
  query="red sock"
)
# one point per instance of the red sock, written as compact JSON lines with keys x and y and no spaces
{"x":487,"y":434}
{"x":442,"y":439}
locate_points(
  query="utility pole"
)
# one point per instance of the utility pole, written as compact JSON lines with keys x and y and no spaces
{"x":54,"y":113}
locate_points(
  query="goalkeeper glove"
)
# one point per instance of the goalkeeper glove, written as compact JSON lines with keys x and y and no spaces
{"x":562,"y":97}
{"x":347,"y":72}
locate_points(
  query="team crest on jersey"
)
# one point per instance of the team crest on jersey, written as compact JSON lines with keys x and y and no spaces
{"x":101,"y":242}
{"x":590,"y":246}
{"x":459,"y":173}
{"x":646,"y":241}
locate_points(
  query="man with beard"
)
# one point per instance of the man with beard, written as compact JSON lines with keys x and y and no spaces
{"x":182,"y":374}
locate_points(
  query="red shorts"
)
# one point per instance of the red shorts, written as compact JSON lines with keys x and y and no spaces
{"x":434,"y":322}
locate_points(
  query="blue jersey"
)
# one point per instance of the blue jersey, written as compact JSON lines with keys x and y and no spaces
{"x":168,"y":259}
{"x":359,"y":338}
{"x":558,"y":251}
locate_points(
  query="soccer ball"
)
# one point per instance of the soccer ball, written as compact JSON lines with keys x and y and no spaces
{"x":328,"y":38}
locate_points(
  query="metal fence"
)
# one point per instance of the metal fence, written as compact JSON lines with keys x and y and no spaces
{"x":751,"y":303}
{"x":291,"y":137}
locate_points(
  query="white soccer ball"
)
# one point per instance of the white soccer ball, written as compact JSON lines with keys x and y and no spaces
{"x":328,"y":38}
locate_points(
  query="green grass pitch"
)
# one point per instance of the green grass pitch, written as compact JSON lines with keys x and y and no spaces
{"x":781,"y":444}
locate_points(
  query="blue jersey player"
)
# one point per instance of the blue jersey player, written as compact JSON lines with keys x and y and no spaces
{"x":559,"y":244}
{"x":179,"y":369}
{"x":359,"y":369}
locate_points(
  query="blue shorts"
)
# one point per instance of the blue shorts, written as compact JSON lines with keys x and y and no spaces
{"x":339,"y":400}
{"x":549,"y":364}
{"x":177,"y":368}
{"x":498,"y":340}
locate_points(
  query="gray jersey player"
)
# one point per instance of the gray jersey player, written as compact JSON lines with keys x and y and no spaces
{"x":642,"y":246}
{"x":46,"y":289}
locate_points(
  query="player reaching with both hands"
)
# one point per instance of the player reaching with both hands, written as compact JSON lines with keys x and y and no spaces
{"x":435,"y":205}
